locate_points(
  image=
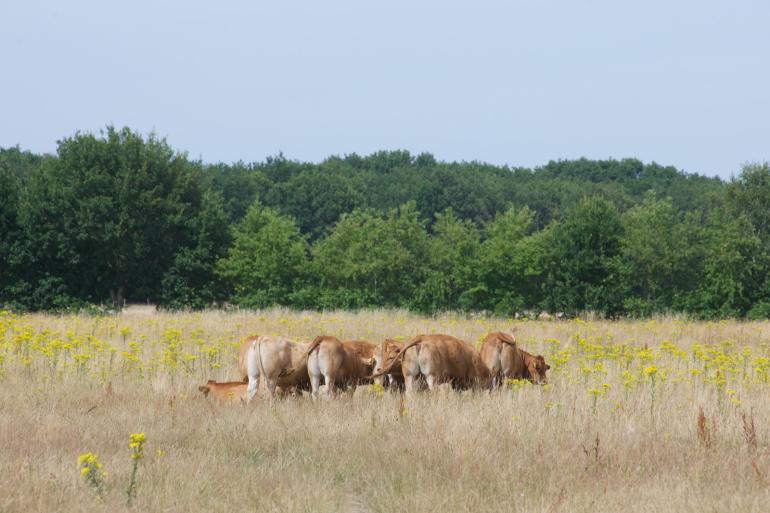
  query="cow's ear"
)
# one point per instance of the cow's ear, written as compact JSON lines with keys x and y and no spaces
{"x":547,"y":366}
{"x":205,"y":389}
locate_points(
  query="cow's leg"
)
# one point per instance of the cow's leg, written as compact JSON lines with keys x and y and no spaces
{"x":271,"y":385}
{"x":503,"y":377}
{"x":314,"y":373}
{"x":432,"y":382}
{"x":329,"y":379}
{"x":409,"y":383}
{"x":410,"y":368}
{"x":315,"y":385}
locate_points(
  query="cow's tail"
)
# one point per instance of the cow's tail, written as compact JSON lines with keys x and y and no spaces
{"x":259,"y":355}
{"x":397,"y":358}
{"x":254,"y":367}
{"x":507,"y":338}
{"x":314,"y":345}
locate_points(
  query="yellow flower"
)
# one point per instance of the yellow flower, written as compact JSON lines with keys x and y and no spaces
{"x":136,"y":444}
{"x":596,"y":392}
{"x":137,"y":438}
{"x":651,"y":371}
{"x":89,"y":464}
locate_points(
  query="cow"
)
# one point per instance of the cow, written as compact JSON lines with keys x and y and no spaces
{"x":225,"y":392}
{"x":281,"y":363}
{"x":440,"y":359}
{"x":243,"y":372}
{"x":383,"y":355}
{"x":506,"y":360}
{"x":339,"y":363}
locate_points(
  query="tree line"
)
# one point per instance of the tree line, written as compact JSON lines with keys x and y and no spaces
{"x":117,"y":216}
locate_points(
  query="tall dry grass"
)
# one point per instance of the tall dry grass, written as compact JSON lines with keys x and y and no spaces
{"x":635,"y":447}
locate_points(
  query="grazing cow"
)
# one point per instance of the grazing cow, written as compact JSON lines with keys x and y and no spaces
{"x":225,"y":392}
{"x":243,"y":372}
{"x":383,"y":356}
{"x":440,"y":359}
{"x":340,"y":363}
{"x":279,"y":361}
{"x":506,"y":360}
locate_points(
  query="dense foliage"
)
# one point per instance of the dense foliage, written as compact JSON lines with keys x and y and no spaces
{"x":119,"y":217}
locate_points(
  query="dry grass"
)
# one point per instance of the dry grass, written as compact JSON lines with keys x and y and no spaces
{"x":625,"y":447}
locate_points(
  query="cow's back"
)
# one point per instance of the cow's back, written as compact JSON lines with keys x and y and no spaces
{"x":361,"y":348}
{"x":464,"y":364}
{"x":282,"y":360}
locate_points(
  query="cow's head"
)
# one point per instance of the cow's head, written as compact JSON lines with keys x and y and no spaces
{"x":378,"y":361}
{"x":383,"y":356}
{"x":369,"y":364}
{"x":205,"y":389}
{"x":537,"y":369}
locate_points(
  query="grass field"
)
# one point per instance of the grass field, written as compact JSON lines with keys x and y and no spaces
{"x":618,"y":428}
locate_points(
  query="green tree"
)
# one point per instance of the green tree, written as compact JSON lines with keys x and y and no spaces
{"x":239,"y":184}
{"x":191,"y":280}
{"x":9,"y":226}
{"x":316,"y":199}
{"x":733,"y":266}
{"x":511,"y":263}
{"x":749,"y":195}
{"x":453,"y":252}
{"x":582,"y":259}
{"x":106,"y":219}
{"x":660,"y":257}
{"x":16,"y":168}
{"x":267,"y":261}
{"x":368,"y":260}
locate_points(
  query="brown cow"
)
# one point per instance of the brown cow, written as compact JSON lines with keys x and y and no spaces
{"x":383,"y":356}
{"x":506,"y":360}
{"x":281,"y":363}
{"x":340,"y":363}
{"x":225,"y":392}
{"x":440,"y":359}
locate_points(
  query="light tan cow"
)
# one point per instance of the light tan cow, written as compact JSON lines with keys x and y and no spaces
{"x":383,"y":355}
{"x":440,"y":359}
{"x":506,"y":360}
{"x":243,"y":372}
{"x":281,"y":363}
{"x":339,"y":363}
{"x":225,"y":392}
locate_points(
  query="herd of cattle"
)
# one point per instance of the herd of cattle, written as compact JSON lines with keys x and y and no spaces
{"x":290,"y":367}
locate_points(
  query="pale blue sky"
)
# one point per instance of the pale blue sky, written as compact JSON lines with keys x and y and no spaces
{"x":521,"y":82}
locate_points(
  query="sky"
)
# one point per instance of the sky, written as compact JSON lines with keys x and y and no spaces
{"x":683,"y":83}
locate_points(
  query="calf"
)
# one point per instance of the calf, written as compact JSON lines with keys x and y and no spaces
{"x":224,"y":392}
